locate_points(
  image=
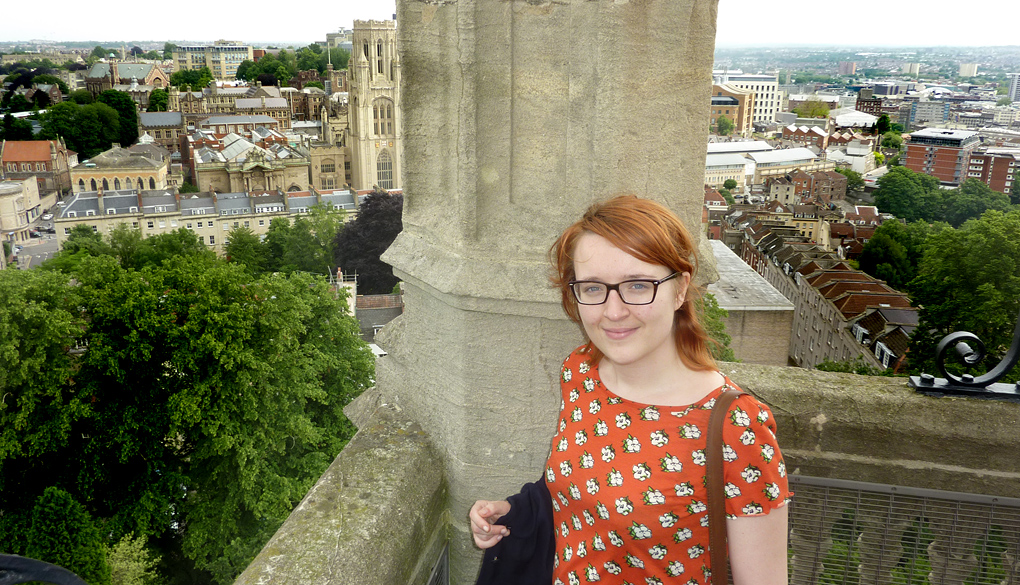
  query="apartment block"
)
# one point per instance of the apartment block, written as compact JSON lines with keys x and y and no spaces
{"x":737,"y":105}
{"x":222,"y":58}
{"x":943,"y":154}
{"x":768,"y":99}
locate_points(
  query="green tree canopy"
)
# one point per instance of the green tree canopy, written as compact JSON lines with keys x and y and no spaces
{"x":812,"y":108}
{"x":909,"y":196}
{"x":127,"y":110}
{"x":196,"y":79}
{"x":51,"y":79}
{"x":882,"y":124}
{"x":15,"y":129}
{"x":168,"y":50}
{"x":82,"y":97}
{"x":88,"y":129}
{"x":892,"y":140}
{"x":63,"y":533}
{"x":730,"y":184}
{"x":854,"y":180}
{"x":159,"y":100}
{"x":971,"y":200}
{"x":724,"y":126}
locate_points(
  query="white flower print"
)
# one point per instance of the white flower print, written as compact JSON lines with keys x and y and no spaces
{"x":550,"y":475}
{"x":602,"y":510}
{"x":698,"y":457}
{"x":740,"y":418}
{"x":659,"y":438}
{"x":582,"y":549}
{"x":581,"y":437}
{"x":591,"y":574}
{"x":613,"y":568}
{"x":567,"y":374}
{"x":565,"y":468}
{"x":614,"y":478}
{"x":608,"y":453}
{"x":709,"y":405}
{"x":731,"y":490}
{"x":639,"y":531}
{"x":589,"y":385}
{"x":563,"y":498}
{"x":576,"y":414}
{"x":641,"y":472}
{"x":728,"y":454}
{"x":624,"y":506}
{"x":747,"y":438}
{"x":586,"y":460}
{"x":658,"y":552}
{"x":572,"y":579}
{"x":671,"y":463}
{"x":614,"y":400}
{"x":562,"y":444}
{"x":592,"y":486}
{"x":704,"y":521}
{"x":588,"y":518}
{"x":601,"y":428}
{"x":675,"y":569}
{"x":752,"y":509}
{"x":623,"y":420}
{"x":556,"y":505}
{"x":574,"y":394}
{"x":633,"y":561}
{"x":575,"y":493}
{"x":653,"y":581}
{"x":568,"y":553}
{"x":771,"y":491}
{"x":696,"y":507}
{"x":682,"y":535}
{"x":615,"y":538}
{"x":763,"y":416}
{"x":597,"y":544}
{"x":782,"y":469}
{"x":750,"y":474}
{"x":668,"y":519}
{"x":653,"y":497}
{"x":684,"y":489}
{"x":562,"y":405}
{"x":595,"y":406}
{"x":649,"y":413}
{"x":631,"y":444}
{"x":768,"y":452}
{"x":563,"y":424}
{"x":695,"y":551}
{"x":575,"y":521}
{"x":565,"y":531}
{"x":584,"y":367}
{"x":690,"y":431}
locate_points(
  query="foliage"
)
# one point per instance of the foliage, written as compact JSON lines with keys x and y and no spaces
{"x":267,"y":79}
{"x":892,"y":140}
{"x":909,"y":196}
{"x":882,"y":125}
{"x":63,"y":533}
{"x":969,"y":280}
{"x":812,"y":108}
{"x":361,"y":243}
{"x":202,"y":406}
{"x":44,"y":78}
{"x":81,"y":97}
{"x":245,"y":248}
{"x":15,"y":129}
{"x":187,"y":187}
{"x":19,"y":103}
{"x":1004,"y":101}
{"x":168,"y":50}
{"x":88,"y":129}
{"x":855,"y":366}
{"x":131,"y":563}
{"x":894,"y":251}
{"x":896,"y":127}
{"x":854,"y":180}
{"x":196,"y":79}
{"x":159,"y":100}
{"x":724,"y":126}
{"x":712,"y":319}
{"x":727,"y":196}
{"x":971,"y":200}
{"x":311,"y":57}
{"x":317,"y":84}
{"x":99,"y":52}
{"x":126,"y":110}
{"x":730,"y":184}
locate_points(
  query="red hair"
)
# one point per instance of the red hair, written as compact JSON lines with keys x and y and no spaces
{"x":651,"y":233}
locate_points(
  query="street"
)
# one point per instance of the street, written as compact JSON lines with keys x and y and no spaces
{"x":37,"y":250}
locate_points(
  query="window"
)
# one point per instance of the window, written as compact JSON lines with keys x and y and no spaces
{"x":150,"y":224}
{"x":226,"y":227}
{"x":111,"y":211}
{"x":67,"y":231}
{"x":106,"y":185}
{"x":188,"y":225}
{"x":212,"y":240}
{"x":116,"y":184}
{"x":247,"y":224}
{"x":173,"y":223}
{"x":262,"y":222}
{"x":152,"y":183}
{"x":384,"y":170}
{"x":329,"y":167}
{"x":199,"y":224}
{"x":162,"y":223}
{"x":134,"y":225}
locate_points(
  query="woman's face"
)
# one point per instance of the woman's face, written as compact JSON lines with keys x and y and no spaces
{"x":628,"y":334}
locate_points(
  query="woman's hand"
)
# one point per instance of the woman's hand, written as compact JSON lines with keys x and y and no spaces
{"x":483,"y":522}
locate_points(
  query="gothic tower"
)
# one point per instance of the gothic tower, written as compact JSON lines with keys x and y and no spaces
{"x":375,"y":129}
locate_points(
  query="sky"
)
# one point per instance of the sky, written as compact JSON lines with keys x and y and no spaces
{"x":741,"y":22}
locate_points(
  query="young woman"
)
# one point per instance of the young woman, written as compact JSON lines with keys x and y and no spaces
{"x":626,"y":475}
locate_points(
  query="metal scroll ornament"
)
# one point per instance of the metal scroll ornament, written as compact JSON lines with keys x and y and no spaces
{"x":963,"y":343}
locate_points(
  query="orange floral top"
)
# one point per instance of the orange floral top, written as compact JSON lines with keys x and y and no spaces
{"x":627,"y":481}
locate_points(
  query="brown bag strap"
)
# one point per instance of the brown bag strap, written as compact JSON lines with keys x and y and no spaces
{"x":716,"y":495}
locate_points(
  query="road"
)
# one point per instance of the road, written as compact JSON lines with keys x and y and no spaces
{"x":37,"y":250}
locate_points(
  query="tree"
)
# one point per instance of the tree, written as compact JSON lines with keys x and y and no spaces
{"x":131,"y":563}
{"x":886,"y":259}
{"x":15,"y":129}
{"x":892,"y":140}
{"x":195,"y":79}
{"x":730,"y":184}
{"x":267,"y":79}
{"x":712,"y":319}
{"x":168,"y":50}
{"x":247,"y":70}
{"x":724,"y":126}
{"x":63,"y":533}
{"x":82,"y":97}
{"x":246,"y":249}
{"x":812,"y":108}
{"x":40,"y":100}
{"x":128,"y":112}
{"x":99,"y":52}
{"x":159,"y":100}
{"x":909,"y":196}
{"x":317,"y":84}
{"x":187,"y":187}
{"x":854,"y":180}
{"x":363,"y":240}
{"x":727,"y":196}
{"x":971,"y":200}
{"x":20,"y":104}
{"x":88,"y":129}
{"x":53,"y":80}
{"x":1004,"y":101}
{"x":882,"y":124}
{"x":969,"y":280}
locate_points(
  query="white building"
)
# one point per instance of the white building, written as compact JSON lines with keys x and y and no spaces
{"x":768,"y":99}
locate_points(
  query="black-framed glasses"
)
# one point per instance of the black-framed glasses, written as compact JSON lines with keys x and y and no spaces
{"x":632,"y":292}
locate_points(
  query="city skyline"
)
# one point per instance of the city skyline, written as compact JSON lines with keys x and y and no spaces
{"x":739,"y":24}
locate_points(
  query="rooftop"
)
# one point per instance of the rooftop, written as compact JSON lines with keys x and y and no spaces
{"x":740,"y":288}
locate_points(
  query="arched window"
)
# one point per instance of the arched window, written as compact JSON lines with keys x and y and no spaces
{"x":94,"y":185}
{"x":81,"y":184}
{"x":141,"y":185}
{"x":378,"y":55}
{"x":116,"y":183}
{"x":152,"y":183}
{"x":382,"y":112}
{"x":106,"y":184}
{"x":384,"y":170}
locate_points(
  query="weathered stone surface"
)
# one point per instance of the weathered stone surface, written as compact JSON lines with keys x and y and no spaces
{"x":376,"y":517}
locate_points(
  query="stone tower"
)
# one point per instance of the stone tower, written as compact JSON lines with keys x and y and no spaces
{"x":375,"y":129}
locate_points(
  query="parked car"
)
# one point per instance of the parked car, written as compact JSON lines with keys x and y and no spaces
{"x":34,"y":233}
{"x":47,"y":216}
{"x":48,"y":229}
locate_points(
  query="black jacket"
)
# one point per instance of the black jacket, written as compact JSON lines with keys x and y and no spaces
{"x":525,"y":556}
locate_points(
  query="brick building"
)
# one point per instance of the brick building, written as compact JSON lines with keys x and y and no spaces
{"x":943,"y":154}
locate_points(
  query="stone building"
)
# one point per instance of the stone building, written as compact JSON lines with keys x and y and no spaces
{"x":374,"y":136}
{"x":104,"y":76}
{"x":19,"y":207}
{"x":120,"y":168}
{"x":736,"y":104}
{"x":165,"y":128}
{"x":264,"y":161}
{"x":49,"y":161}
{"x":222,"y":58}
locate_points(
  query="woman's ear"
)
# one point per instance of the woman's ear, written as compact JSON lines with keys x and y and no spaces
{"x":682,"y":282}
